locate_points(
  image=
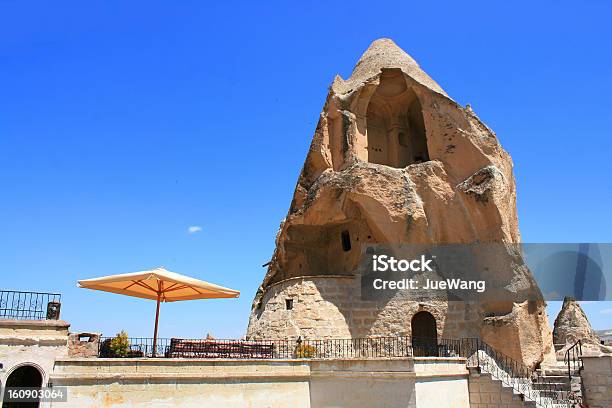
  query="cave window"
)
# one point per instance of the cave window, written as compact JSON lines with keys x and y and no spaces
{"x":289,"y":304}
{"x":346,"y":241}
{"x":395,"y":127}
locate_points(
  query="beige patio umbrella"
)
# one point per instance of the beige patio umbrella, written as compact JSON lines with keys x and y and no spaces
{"x":160,"y":285}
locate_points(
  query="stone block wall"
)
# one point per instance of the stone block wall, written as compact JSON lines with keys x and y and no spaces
{"x":597,"y":381}
{"x":485,"y":392}
{"x":83,"y":344}
{"x":331,"y":307}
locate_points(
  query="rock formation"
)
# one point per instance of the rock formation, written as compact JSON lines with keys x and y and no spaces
{"x":395,"y":160}
{"x":572,"y":325}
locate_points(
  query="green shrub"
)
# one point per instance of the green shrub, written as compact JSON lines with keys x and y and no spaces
{"x":305,"y":351}
{"x":120,"y":345}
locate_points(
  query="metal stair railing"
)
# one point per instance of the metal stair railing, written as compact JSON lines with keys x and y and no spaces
{"x":573,"y":358}
{"x":531,"y":384}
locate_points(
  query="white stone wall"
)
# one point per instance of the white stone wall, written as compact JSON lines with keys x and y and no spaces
{"x":32,"y":342}
{"x":441,"y":382}
{"x":365,"y":383}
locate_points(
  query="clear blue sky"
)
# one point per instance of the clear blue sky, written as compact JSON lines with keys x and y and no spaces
{"x":124,"y":123}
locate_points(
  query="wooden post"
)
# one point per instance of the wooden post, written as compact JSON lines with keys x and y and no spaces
{"x":156,"y":321}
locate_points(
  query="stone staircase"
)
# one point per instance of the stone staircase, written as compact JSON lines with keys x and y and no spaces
{"x":549,"y":387}
{"x":486,"y":391}
{"x":566,"y":389}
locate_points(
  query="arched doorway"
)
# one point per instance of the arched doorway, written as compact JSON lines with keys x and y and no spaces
{"x":424,"y":335}
{"x":24,"y":376}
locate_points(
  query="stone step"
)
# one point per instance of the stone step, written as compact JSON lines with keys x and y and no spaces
{"x":553,"y":382}
{"x":552,"y":398}
{"x":557,"y":377}
{"x":557,"y":371}
{"x":553,"y":395}
{"x":558,"y":395}
{"x":550,"y":389}
{"x":546,"y":383}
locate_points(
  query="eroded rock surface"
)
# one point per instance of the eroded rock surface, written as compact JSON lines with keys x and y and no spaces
{"x":394,"y":160}
{"x":572,"y":325}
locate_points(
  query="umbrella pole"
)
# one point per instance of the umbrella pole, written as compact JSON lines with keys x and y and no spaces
{"x":156,"y":320}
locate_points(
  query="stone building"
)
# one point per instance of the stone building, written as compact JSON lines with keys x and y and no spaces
{"x":28,"y":350}
{"x":395,"y":160}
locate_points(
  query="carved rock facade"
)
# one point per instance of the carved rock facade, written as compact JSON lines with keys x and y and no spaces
{"x":394,"y":160}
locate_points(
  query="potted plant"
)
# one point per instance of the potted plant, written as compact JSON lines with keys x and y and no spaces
{"x":120,"y":345}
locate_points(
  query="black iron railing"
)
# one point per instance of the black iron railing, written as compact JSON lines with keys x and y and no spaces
{"x":29,"y":305}
{"x":252,"y":349}
{"x":427,"y":347}
{"x":573,"y":359}
{"x":135,"y":347}
{"x":545,"y":392}
{"x":367,"y":347}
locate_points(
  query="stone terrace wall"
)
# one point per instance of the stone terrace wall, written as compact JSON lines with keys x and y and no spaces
{"x":391,"y":383}
{"x":94,"y":383}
